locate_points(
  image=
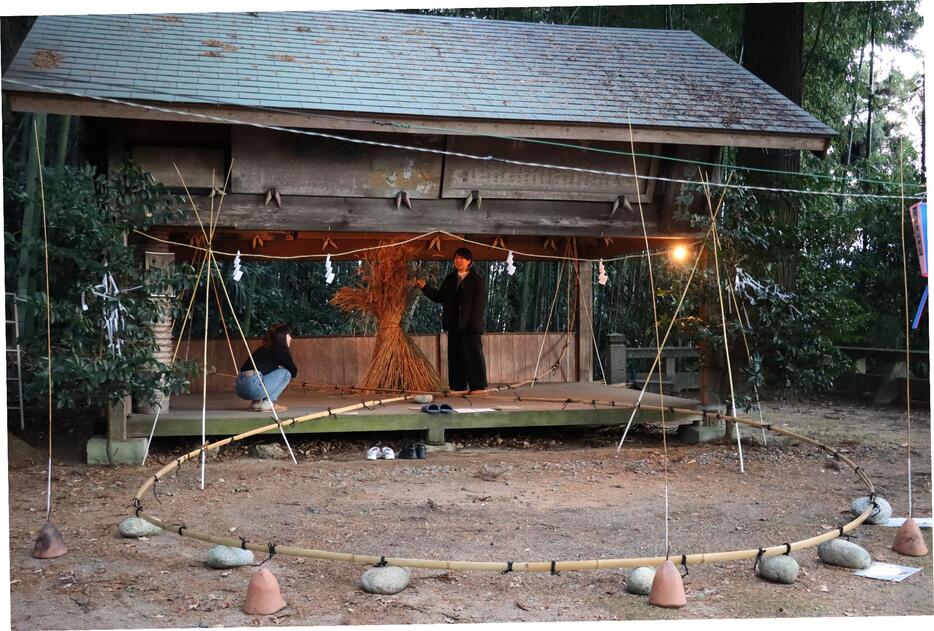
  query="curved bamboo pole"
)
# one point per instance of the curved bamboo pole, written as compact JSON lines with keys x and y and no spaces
{"x":497,"y":566}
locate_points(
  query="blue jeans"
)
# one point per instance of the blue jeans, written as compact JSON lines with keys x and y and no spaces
{"x":251,"y":387}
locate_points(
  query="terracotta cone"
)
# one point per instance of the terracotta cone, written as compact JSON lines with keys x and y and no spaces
{"x":909,"y":541}
{"x":667,"y":587}
{"x":49,"y":543}
{"x":263,"y":595}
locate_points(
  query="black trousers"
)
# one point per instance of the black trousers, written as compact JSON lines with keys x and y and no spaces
{"x":466,"y":366}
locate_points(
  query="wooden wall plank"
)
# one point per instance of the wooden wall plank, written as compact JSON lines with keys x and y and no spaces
{"x":308,"y":165}
{"x":496,"y":217}
{"x":344,"y":360}
{"x":512,"y":181}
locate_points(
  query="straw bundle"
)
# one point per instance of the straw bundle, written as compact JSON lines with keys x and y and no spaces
{"x":385,"y":291}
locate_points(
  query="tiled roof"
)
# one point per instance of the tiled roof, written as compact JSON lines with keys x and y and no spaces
{"x":403,"y":64}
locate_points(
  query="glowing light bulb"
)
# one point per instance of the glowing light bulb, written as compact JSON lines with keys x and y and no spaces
{"x":679,"y":253}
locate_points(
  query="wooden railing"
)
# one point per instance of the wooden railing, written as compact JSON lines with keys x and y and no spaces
{"x":510,"y":357}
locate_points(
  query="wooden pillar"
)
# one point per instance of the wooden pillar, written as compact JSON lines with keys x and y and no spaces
{"x":158,"y":256}
{"x":584,"y":350}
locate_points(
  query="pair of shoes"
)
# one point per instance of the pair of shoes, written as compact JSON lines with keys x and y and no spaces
{"x":414,"y":451}
{"x":377,"y":453}
{"x":436,"y":408}
{"x":477,"y":393}
{"x":267,"y":406}
{"x":255,"y":405}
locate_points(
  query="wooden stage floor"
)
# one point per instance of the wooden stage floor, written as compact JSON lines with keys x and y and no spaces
{"x":228,"y":415}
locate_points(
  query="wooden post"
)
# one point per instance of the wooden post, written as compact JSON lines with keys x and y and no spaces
{"x":158,"y":256}
{"x":584,"y":336}
{"x":117,"y":414}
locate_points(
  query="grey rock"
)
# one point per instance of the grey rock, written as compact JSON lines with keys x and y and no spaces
{"x":424,"y":398}
{"x":223,"y":557}
{"x":136,"y":527}
{"x":860,"y":504}
{"x":269,"y":451}
{"x":844,"y":554}
{"x":778,"y":569}
{"x":386,"y":580}
{"x":640,"y":580}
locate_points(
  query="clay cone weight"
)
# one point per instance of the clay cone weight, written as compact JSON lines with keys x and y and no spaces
{"x":909,"y":541}
{"x":49,"y":543}
{"x":263,"y":595}
{"x":667,"y":587}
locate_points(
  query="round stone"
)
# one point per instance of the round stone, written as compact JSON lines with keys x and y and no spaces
{"x":424,"y":398}
{"x":640,"y":580}
{"x":778,"y":569}
{"x":386,"y":580}
{"x":273,"y":451}
{"x":879,"y":516}
{"x":223,"y":557}
{"x":136,"y":527}
{"x":844,"y":554}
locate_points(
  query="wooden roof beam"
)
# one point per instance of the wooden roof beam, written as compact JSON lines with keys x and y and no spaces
{"x":343,"y":121}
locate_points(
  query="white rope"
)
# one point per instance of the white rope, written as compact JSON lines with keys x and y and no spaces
{"x":394,"y":244}
{"x":457,"y":154}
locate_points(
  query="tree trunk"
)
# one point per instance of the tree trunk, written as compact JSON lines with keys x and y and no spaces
{"x":773,"y":42}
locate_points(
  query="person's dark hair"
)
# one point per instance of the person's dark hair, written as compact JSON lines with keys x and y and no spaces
{"x":464,"y":253}
{"x":276,"y":335}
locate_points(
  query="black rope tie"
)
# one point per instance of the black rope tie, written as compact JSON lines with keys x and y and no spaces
{"x":566,"y":402}
{"x":593,"y":402}
{"x":330,"y":413}
{"x":554,"y":572}
{"x":181,"y":530}
{"x":155,"y":477}
{"x":363,"y":403}
{"x":381,"y":562}
{"x":138,"y":505}
{"x":758,"y":558}
{"x":272,"y":550}
{"x":767,"y":426}
{"x":243,"y":543}
{"x":508,"y":567}
{"x":787,"y":548}
{"x":684,"y":564}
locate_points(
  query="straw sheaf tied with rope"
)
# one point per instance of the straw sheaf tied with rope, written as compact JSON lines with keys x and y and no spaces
{"x":385,"y":291}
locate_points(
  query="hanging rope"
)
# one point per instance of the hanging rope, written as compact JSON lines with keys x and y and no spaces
{"x":551,"y":309}
{"x":726,"y":342}
{"x":907,"y":325}
{"x":658,"y":340}
{"x":48,"y":315}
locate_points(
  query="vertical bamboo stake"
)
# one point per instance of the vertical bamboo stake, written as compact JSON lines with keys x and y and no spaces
{"x":204,"y":389}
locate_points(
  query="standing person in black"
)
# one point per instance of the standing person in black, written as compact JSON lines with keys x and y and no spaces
{"x":463,"y":315}
{"x":275,"y":364}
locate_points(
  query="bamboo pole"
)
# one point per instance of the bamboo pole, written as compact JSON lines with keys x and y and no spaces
{"x":497,"y":566}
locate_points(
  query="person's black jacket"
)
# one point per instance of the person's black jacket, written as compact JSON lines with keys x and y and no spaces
{"x":268,"y":358}
{"x":463,"y":308}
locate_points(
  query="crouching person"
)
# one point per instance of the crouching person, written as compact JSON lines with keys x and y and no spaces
{"x":271,"y":366}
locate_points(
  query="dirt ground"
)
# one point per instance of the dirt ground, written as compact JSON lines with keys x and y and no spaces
{"x":497,"y":496}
